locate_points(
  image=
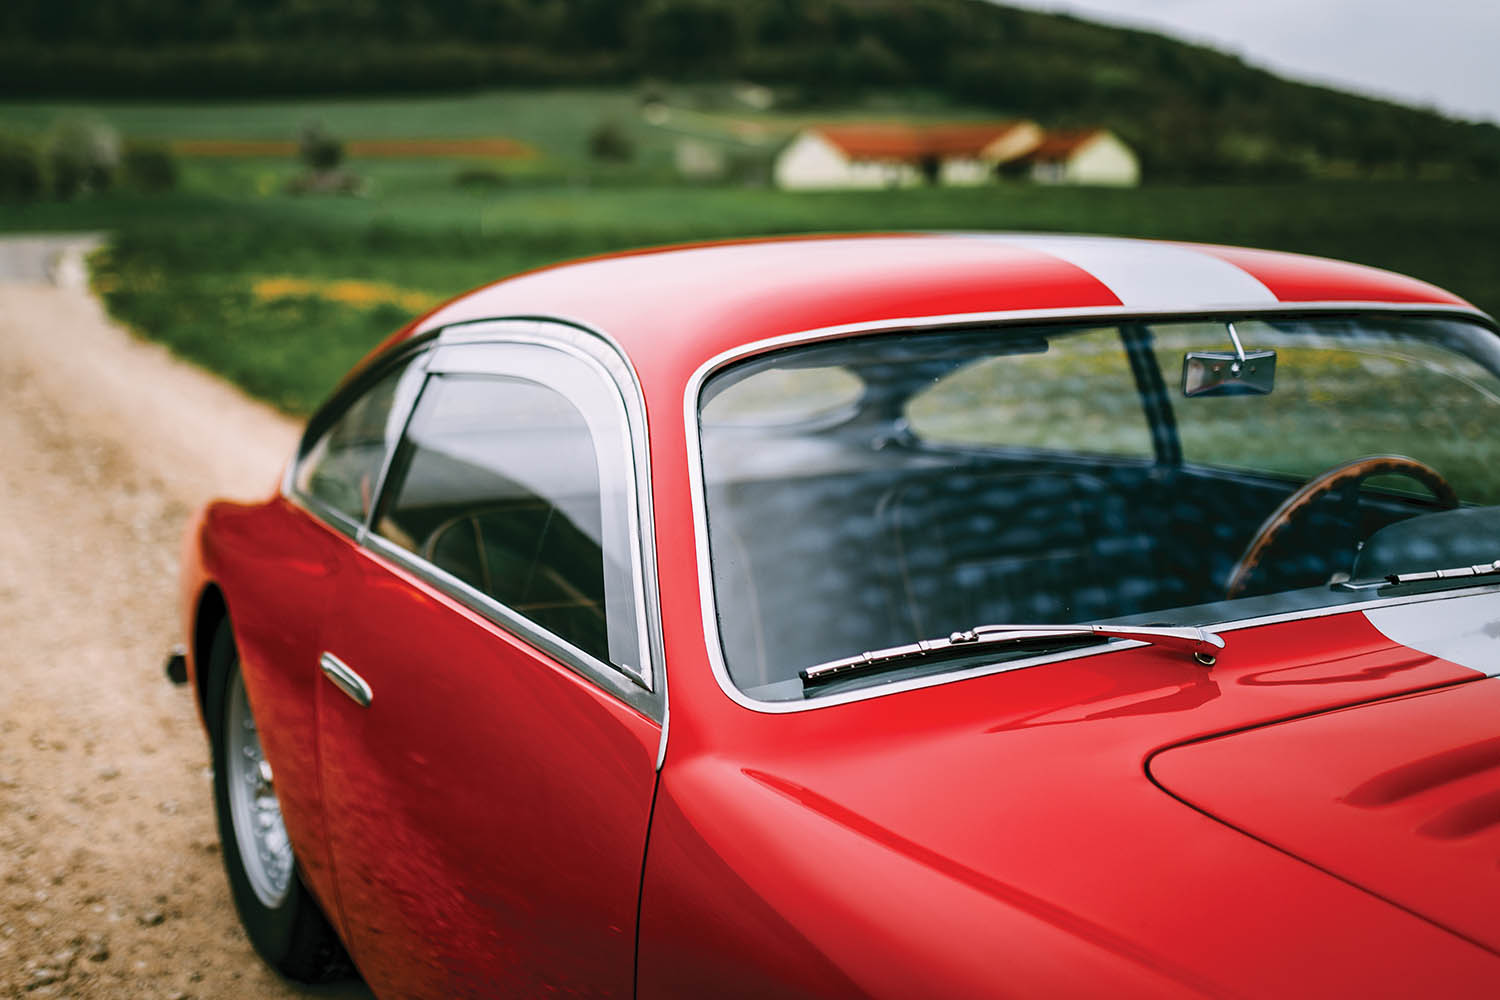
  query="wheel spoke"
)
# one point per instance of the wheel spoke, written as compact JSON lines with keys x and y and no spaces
{"x":259,"y":829}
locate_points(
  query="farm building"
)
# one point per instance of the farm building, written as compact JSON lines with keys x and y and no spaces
{"x":899,"y":155}
{"x":1080,"y":156}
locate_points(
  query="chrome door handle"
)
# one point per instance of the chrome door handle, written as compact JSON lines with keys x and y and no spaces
{"x":345,"y":680}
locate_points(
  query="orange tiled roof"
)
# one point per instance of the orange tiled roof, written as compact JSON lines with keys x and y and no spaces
{"x":1063,"y":143}
{"x":913,"y":143}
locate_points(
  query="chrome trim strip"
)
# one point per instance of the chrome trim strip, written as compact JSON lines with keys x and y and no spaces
{"x":605,"y":676}
{"x":346,"y":680}
{"x":1000,"y":318}
{"x":532,"y":333}
{"x":617,"y":362}
{"x":403,"y":405}
{"x":647,"y":692}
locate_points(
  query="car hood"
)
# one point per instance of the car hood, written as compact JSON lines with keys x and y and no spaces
{"x":1401,"y":798}
{"x":1329,"y":783}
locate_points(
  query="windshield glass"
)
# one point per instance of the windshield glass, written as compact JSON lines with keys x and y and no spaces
{"x":871,"y":492}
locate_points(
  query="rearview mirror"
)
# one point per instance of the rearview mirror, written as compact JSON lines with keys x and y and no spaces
{"x":1229,"y":373}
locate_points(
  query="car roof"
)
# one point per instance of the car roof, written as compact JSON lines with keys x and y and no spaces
{"x":683,"y":305}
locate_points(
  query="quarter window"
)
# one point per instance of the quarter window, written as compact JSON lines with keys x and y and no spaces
{"x":342,"y":468}
{"x":505,"y":484}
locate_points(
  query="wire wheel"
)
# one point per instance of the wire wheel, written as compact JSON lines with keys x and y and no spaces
{"x":259,"y":831}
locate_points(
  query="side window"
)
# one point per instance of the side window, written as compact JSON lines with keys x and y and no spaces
{"x":341,"y":469}
{"x":1075,"y":396}
{"x":507,"y":485}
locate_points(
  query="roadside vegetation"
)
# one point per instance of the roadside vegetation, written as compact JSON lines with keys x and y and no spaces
{"x":245,"y":265}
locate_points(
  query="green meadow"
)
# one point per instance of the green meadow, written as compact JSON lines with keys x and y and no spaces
{"x":281,"y":292}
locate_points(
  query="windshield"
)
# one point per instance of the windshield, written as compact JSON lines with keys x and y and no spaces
{"x":872,"y":492}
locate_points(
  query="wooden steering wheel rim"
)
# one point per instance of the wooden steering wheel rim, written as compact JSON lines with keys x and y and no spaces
{"x":1321,"y":485}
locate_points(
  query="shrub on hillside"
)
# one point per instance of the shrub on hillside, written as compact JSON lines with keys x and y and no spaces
{"x":82,"y":157}
{"x":317,"y":149}
{"x":20,"y":170}
{"x":149,"y":167}
{"x":609,"y":142}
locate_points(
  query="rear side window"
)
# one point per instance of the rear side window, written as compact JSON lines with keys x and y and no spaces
{"x":505,"y":484}
{"x":341,"y":470}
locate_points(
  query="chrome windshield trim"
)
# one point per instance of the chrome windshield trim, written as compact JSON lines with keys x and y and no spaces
{"x":710,"y":621}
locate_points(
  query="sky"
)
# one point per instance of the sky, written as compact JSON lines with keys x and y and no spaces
{"x":1437,"y":53}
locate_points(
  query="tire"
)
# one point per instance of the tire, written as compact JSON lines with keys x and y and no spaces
{"x":282,"y":919}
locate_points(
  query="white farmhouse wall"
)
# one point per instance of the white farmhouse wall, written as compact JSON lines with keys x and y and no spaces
{"x":1103,"y":160}
{"x":811,"y":161}
{"x":965,"y":173}
{"x":882,"y":174}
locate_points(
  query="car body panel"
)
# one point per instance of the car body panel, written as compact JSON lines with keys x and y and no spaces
{"x":489,"y":808}
{"x":962,"y":808}
{"x":986,"y":832}
{"x":277,"y":570}
{"x":1400,"y":798}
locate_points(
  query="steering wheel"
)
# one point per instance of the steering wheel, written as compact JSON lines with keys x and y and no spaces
{"x":1340,"y":477}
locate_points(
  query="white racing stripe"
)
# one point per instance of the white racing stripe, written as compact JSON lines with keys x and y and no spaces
{"x":1462,"y":630}
{"x":1149,"y":275}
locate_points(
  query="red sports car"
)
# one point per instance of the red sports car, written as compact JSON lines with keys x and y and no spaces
{"x":881,"y":616}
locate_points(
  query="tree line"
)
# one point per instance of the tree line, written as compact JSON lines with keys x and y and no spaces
{"x":1190,"y":111}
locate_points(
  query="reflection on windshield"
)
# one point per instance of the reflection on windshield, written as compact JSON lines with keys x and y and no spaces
{"x":1059,"y":475}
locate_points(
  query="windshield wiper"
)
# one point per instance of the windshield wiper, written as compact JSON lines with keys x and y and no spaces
{"x":1425,"y":576}
{"x":1203,"y":645}
{"x":1453,"y":573}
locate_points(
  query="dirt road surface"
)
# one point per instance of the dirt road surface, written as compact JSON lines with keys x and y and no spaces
{"x":111,"y":883}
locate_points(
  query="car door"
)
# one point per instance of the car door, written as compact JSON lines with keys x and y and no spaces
{"x":490,"y":731}
{"x":289,"y":552}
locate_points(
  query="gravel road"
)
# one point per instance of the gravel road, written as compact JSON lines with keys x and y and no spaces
{"x":111,"y":883}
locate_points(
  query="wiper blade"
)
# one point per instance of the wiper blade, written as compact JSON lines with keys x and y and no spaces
{"x":1453,"y":573}
{"x":1424,"y":576}
{"x":1202,"y":644}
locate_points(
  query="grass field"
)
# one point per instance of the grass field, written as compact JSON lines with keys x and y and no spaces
{"x":196,"y":269}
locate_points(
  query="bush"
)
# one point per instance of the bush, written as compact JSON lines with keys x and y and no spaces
{"x":611,"y":143}
{"x":317,"y":149}
{"x":20,"y":170}
{"x":82,"y":157}
{"x":149,"y":167}
{"x":479,"y":179}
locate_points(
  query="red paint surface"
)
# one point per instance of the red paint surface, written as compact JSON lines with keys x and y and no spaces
{"x":1298,"y":278}
{"x":275,"y":566}
{"x":1402,"y":798}
{"x":488,"y":811}
{"x":993,"y":836}
{"x":1004,"y":827}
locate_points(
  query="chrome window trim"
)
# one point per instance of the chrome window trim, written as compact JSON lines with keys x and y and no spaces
{"x":418,"y":350}
{"x":647,"y":693}
{"x":587,"y":388}
{"x":606,"y":676}
{"x":693,"y":431}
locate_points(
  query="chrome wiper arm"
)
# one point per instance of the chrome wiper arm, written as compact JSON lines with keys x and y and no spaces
{"x":1453,"y":573}
{"x":1202,"y":644}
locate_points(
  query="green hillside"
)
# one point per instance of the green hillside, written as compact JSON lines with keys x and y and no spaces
{"x":1192,"y":112}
